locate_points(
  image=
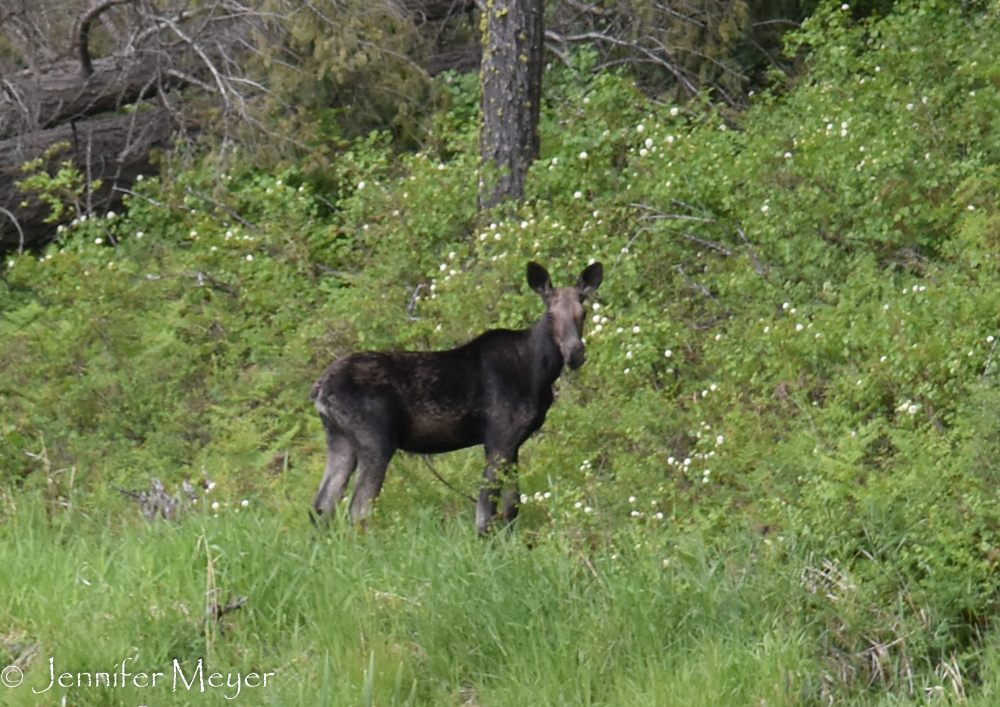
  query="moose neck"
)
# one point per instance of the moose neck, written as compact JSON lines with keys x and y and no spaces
{"x":546,"y":357}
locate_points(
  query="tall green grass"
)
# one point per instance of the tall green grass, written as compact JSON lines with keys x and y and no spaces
{"x":415,"y":612}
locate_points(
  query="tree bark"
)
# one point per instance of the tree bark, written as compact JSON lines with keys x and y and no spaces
{"x":511,"y":81}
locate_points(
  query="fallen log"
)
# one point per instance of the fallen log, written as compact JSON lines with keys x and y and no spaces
{"x":112,"y":148}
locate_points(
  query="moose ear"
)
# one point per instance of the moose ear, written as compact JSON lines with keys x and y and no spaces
{"x":539,"y":281}
{"x":590,"y":280}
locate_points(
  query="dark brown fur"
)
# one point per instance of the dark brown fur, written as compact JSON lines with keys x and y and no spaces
{"x":494,"y":390}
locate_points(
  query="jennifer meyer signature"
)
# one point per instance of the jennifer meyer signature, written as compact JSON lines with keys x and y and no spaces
{"x":12,"y":677}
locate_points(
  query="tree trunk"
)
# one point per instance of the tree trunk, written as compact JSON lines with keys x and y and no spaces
{"x":511,"y":79}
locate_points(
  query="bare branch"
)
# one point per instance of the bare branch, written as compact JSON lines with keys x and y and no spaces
{"x":17,"y":225}
{"x":83,"y":33}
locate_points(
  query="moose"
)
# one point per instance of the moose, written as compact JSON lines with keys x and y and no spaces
{"x":493,"y":391}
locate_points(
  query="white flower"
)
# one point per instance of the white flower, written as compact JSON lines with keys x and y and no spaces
{"x":643,"y":152}
{"x":249,"y":258}
{"x":214,"y":249}
{"x":577,"y":194}
{"x":139,"y":234}
{"x":882,"y":360}
{"x":215,"y":506}
{"x":912,"y":409}
{"x":668,"y":353}
{"x":524,"y":224}
{"x":10,"y":263}
{"x":596,"y":318}
{"x":767,"y":329}
{"x":111,"y":214}
{"x":659,"y":516}
{"x":719,"y":440}
{"x":98,"y":241}
{"x":788,"y":155}
{"x":798,"y":327}
{"x":497,"y":237}
{"x":596,"y":306}
{"x":687,"y":461}
{"x":674,"y":111}
{"x":524,"y":498}
{"x":598,"y":328}
{"x":361,"y":185}
{"x":649,"y":142}
{"x":583,"y":155}
{"x":785,"y":305}
{"x":627,"y":370}
{"x":635,"y":514}
{"x":971,"y":207}
{"x":631,"y":499}
{"x":989,"y":339}
{"x":764,"y":209}
{"x":640,"y":127}
{"x":451,"y":255}
{"x":909,"y":106}
{"x":193,"y":234}
{"x":587,"y":509}
{"x":635,"y":330}
{"x":555,"y":160}
{"x":845,"y":7}
{"x":578,"y":504}
{"x":244,"y":503}
{"x":138,"y":177}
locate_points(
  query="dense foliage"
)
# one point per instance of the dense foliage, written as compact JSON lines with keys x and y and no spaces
{"x":791,"y":364}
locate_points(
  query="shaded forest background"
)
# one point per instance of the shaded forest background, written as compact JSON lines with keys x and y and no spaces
{"x":105,"y":83}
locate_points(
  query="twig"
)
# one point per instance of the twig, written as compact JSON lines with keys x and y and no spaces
{"x":17,"y":225}
{"x":701,"y":288}
{"x":989,"y":359}
{"x":411,"y":308}
{"x":202,"y":278}
{"x":758,"y":266}
{"x":445,"y":481}
{"x":220,"y":205}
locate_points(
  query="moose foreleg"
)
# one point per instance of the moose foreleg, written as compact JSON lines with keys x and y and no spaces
{"x":500,"y":484}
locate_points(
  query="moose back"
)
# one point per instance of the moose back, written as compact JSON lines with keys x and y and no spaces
{"x":493,"y":391}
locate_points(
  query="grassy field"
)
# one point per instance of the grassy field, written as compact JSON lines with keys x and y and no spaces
{"x":415,"y":611}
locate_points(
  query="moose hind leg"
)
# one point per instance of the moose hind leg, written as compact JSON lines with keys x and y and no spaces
{"x":340,"y":463}
{"x":372,"y":465}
